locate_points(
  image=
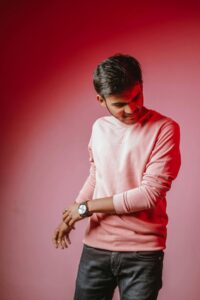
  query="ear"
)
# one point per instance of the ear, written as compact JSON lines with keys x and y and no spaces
{"x":101,"y":100}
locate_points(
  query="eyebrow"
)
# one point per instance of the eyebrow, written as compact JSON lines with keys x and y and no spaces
{"x":124,"y":103}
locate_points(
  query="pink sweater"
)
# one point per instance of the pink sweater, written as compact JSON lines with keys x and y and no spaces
{"x":136,"y":165}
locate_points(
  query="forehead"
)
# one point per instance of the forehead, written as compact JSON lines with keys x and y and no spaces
{"x":127,"y":95}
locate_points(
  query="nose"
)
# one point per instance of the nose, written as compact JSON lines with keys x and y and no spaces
{"x":130,"y":108}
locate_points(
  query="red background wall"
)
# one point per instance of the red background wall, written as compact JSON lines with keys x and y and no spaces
{"x":48,"y":53}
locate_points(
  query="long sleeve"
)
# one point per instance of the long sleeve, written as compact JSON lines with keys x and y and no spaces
{"x":86,"y":192}
{"x":161,"y":169}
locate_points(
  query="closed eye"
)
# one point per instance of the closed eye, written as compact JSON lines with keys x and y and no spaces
{"x":118,"y":104}
{"x":121,"y":104}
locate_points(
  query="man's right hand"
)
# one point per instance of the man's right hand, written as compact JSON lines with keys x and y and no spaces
{"x":61,"y":236}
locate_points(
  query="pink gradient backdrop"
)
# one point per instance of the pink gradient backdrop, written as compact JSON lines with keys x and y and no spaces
{"x":48,"y":53}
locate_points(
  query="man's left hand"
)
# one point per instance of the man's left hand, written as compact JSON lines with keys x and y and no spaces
{"x":71,"y":215}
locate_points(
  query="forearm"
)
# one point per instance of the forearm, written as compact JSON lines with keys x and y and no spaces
{"x":119,"y":204}
{"x":101,"y":205}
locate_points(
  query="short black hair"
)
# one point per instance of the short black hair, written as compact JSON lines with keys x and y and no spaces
{"x":116,"y":74}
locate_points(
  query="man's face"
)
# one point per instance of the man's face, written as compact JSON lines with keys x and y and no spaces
{"x":127,"y":107}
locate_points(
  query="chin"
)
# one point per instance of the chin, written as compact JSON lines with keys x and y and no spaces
{"x":129,"y":121}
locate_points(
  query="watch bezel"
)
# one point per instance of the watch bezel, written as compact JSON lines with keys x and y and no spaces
{"x":86,"y":213}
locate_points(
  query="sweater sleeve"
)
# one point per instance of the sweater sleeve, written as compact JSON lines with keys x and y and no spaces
{"x":87,"y":190}
{"x":161,"y":169}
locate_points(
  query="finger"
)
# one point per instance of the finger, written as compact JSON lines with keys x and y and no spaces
{"x":59,"y":240}
{"x":67,"y":220}
{"x":55,"y":237}
{"x":68,"y":241}
{"x":71,"y":223}
{"x":55,"y":242}
{"x":63,"y":243}
{"x":65,"y":210}
{"x":65,"y":216}
{"x":58,"y":244}
{"x":72,"y":226}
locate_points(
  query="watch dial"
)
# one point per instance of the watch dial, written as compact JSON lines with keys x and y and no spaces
{"x":82,"y":209}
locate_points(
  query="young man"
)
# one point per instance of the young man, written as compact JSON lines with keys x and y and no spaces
{"x":134,"y":156}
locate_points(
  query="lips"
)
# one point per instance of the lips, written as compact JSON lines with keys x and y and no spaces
{"x":131,"y":116}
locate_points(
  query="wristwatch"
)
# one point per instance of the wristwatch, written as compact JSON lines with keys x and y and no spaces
{"x":83,"y":210}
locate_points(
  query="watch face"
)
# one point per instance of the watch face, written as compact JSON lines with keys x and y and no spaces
{"x":82,"y":209}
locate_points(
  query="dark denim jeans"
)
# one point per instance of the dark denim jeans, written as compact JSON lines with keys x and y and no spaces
{"x":138,"y":274}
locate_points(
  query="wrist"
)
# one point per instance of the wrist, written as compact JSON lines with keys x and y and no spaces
{"x":90,"y":206}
